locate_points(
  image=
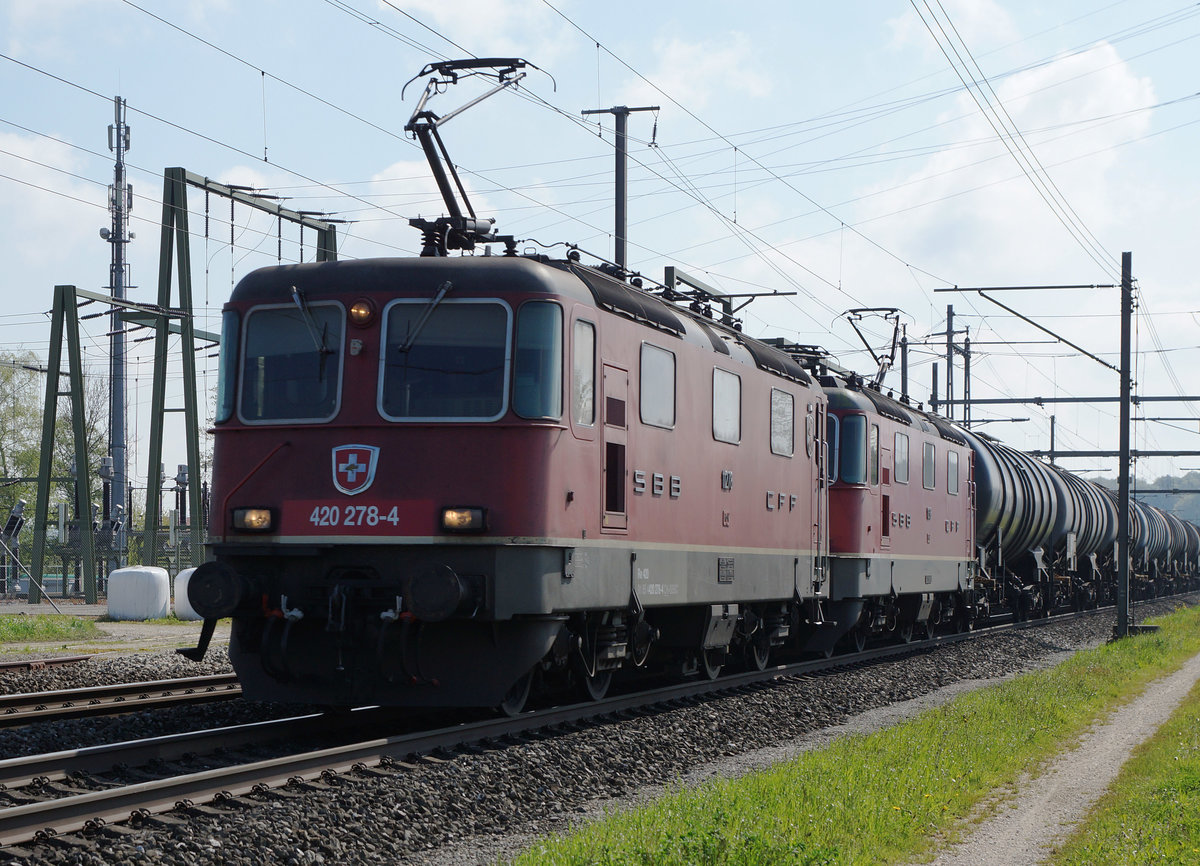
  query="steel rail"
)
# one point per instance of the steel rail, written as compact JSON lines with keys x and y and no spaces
{"x":38,"y":664}
{"x":34,"y":821}
{"x":54,"y":766}
{"x":22,"y":709}
{"x":89,"y":810}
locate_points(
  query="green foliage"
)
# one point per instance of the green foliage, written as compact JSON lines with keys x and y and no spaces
{"x":882,"y":798}
{"x":1185,"y":506}
{"x":22,"y":405}
{"x":46,"y":627}
{"x":1151,"y":814}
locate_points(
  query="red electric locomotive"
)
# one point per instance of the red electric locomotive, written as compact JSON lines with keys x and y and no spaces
{"x":433,"y":475}
{"x":438,"y":480}
{"x":902,"y":538}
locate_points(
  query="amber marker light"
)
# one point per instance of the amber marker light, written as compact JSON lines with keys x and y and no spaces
{"x":464,"y":519}
{"x":362,"y":312}
{"x":253,"y":519}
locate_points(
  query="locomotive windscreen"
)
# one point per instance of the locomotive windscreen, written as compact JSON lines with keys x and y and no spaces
{"x":444,"y":363}
{"x":291,"y":364}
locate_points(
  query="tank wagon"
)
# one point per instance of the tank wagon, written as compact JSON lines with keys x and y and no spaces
{"x":441,"y":480}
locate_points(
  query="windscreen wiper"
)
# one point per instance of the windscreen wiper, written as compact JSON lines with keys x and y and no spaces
{"x":425,"y":314}
{"x":310,"y":323}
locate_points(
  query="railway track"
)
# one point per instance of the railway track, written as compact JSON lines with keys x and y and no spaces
{"x":24,"y":709}
{"x":46,"y":802}
{"x":46,"y":806}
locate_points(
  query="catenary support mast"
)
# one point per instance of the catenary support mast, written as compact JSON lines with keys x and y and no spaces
{"x":120,"y":203}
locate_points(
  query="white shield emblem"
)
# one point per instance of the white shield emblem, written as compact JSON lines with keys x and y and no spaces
{"x":354,"y":467}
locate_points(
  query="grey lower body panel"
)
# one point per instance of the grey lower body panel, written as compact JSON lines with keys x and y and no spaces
{"x":555,"y":580}
{"x":882,"y":575}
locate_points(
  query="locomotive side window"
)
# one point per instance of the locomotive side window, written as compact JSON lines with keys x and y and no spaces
{"x":227,"y":377}
{"x":444,"y":362}
{"x":291,"y":364}
{"x":873,"y":455}
{"x":929,"y":467}
{"x":901,"y":454}
{"x":783,"y":423}
{"x":901,"y":458}
{"x":952,"y":472}
{"x":537,"y":362}
{"x":853,"y":458}
{"x":657,"y":386}
{"x":583,"y":374}
{"x":832,"y":437}
{"x":726,"y":406}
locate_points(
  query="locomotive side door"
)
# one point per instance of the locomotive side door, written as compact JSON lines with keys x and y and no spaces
{"x":815,"y":449}
{"x":615,"y":515}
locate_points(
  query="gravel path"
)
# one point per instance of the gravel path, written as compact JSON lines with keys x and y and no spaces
{"x":476,"y":807}
{"x":1043,"y":811}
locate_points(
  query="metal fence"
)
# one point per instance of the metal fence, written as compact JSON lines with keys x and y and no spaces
{"x":62,"y":571}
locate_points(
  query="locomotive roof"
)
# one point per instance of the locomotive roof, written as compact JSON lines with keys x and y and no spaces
{"x":491,"y":274}
{"x":844,"y":396}
{"x":355,"y":276}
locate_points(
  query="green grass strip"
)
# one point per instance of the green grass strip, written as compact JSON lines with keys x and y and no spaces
{"x":46,"y":627}
{"x":1151,"y":813}
{"x":883,"y":797}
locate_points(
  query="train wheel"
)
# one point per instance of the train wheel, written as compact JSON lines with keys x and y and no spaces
{"x":758,"y":653}
{"x":859,"y":634}
{"x":928,"y":630}
{"x":514,"y":701}
{"x":905,"y":632}
{"x":591,"y":686}
{"x":711,"y":662}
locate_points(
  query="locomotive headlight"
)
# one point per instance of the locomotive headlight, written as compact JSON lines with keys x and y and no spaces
{"x":464,"y":519}
{"x":253,"y":519}
{"x":362,"y":312}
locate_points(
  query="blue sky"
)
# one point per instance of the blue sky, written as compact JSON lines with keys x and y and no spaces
{"x":824,"y":149}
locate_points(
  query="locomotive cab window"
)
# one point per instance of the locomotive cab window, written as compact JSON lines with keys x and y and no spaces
{"x":853,"y":459}
{"x":952,"y":472}
{"x":291,"y":363}
{"x":657,"y":386}
{"x":583,"y":373}
{"x":227,"y":377}
{"x":726,"y":406}
{"x":783,"y":423}
{"x":444,"y":362}
{"x":900,"y":476}
{"x":537,"y":361}
{"x":929,"y":467}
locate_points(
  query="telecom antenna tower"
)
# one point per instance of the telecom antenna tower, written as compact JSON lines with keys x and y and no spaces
{"x":120,"y":204}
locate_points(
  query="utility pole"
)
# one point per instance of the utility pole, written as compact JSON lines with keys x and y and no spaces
{"x":1123,"y":469}
{"x":933,"y":397}
{"x":950,"y":360}
{"x":904,"y":364}
{"x":621,"y":113}
{"x":120,"y":204}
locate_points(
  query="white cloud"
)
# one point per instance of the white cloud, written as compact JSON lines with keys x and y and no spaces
{"x":486,"y":28}
{"x":46,"y":202}
{"x":984,"y":214}
{"x":694,"y":74}
{"x":979,"y":23}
